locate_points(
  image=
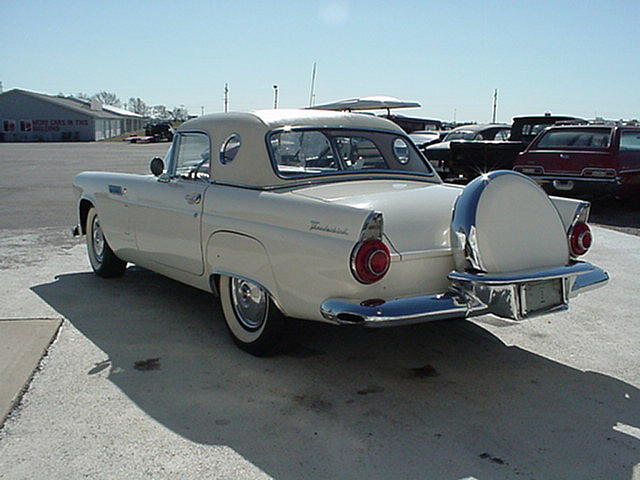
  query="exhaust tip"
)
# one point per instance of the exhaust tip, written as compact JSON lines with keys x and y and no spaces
{"x":351,"y":318}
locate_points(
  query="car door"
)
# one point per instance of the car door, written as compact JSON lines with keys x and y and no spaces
{"x":169,"y":207}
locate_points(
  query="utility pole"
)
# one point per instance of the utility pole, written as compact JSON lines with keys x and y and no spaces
{"x":201,"y":111}
{"x":495,"y":105}
{"x":226,"y":97}
{"x":0,"y":87}
{"x":275,"y":96}
{"x":313,"y":86}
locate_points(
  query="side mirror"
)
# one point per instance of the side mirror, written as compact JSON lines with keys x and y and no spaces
{"x":157,"y":166}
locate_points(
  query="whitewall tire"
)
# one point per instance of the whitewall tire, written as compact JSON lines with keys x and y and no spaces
{"x":103,"y":261}
{"x":254,"y":322}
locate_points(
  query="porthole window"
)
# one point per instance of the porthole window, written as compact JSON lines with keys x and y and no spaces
{"x":230,"y":149}
{"x":401,"y":150}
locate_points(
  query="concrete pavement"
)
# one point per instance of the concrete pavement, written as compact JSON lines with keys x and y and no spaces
{"x":23,"y":344}
{"x":555,"y":397}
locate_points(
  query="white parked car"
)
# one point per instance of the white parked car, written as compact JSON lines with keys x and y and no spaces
{"x":334,"y":217}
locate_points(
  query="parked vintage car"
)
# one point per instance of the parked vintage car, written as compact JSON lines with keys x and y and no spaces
{"x":424,"y":138}
{"x":470,"y":159}
{"x":334,"y":217}
{"x":597,"y":159}
{"x":440,"y":154}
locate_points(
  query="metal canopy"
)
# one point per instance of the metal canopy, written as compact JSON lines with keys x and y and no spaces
{"x":376,"y":102}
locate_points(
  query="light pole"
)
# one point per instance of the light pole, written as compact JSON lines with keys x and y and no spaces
{"x":275,"y":96}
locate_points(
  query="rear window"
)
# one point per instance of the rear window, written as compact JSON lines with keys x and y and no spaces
{"x":575,"y":138}
{"x":305,"y":152}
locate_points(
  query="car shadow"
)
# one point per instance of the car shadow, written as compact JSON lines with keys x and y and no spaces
{"x":623,"y":214}
{"x":444,"y":400}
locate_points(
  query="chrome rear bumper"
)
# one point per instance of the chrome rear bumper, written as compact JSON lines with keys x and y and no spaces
{"x":470,"y":295}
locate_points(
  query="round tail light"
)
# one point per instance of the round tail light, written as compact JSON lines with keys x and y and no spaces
{"x":370,"y":261}
{"x":580,"y":238}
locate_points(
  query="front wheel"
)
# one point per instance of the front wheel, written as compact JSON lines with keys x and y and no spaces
{"x":103,"y":261}
{"x":255,"y":323}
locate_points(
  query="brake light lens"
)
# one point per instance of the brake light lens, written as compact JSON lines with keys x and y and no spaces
{"x":580,"y":238}
{"x":370,"y":261}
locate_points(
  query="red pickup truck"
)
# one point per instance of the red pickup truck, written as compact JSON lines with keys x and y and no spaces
{"x":591,"y":159}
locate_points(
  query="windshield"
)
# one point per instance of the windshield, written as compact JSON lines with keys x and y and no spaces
{"x":297,"y":153}
{"x":460,"y":135}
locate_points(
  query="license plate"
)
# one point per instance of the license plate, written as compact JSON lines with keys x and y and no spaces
{"x":543,"y":295}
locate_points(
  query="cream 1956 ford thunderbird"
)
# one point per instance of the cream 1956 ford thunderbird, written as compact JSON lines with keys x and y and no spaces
{"x":334,"y":217}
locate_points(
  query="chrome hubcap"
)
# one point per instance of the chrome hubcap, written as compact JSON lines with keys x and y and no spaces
{"x":97,"y":239}
{"x":249,"y":302}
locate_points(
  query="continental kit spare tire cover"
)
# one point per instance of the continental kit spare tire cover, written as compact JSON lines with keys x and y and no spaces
{"x":504,"y":222}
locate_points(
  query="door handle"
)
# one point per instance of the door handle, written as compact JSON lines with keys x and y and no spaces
{"x":193,"y":198}
{"x":564,"y":156}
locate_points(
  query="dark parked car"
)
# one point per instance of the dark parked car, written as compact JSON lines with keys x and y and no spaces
{"x":469,"y":159}
{"x":439,"y":154}
{"x":159,"y":131}
{"x":596,"y":159}
{"x":424,"y":138}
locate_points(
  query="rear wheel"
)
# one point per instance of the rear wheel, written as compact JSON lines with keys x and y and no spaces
{"x":255,"y":323}
{"x":103,"y":261}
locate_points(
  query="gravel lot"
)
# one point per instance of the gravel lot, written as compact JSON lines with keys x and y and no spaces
{"x":552,"y":398}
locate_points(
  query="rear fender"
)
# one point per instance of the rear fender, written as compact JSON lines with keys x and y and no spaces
{"x":237,"y":255}
{"x":571,"y":210}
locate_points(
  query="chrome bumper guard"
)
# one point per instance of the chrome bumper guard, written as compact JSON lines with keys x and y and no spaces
{"x":470,"y":295}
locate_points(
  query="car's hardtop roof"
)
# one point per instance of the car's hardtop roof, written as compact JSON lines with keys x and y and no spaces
{"x":279,"y":118}
{"x":581,"y":126}
{"x":477,"y":127}
{"x":553,"y":118}
{"x":252,"y":166}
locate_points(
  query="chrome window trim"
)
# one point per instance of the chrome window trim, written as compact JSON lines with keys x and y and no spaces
{"x":221,"y":154}
{"x":176,"y":148}
{"x":432,"y":175}
{"x":321,"y":179}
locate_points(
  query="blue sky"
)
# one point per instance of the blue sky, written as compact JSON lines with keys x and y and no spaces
{"x":567,"y":57}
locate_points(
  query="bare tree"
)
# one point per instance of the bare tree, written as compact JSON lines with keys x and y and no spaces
{"x":160,"y":112}
{"x":107,"y":98}
{"x":136,"y":105}
{"x":180,"y":114}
